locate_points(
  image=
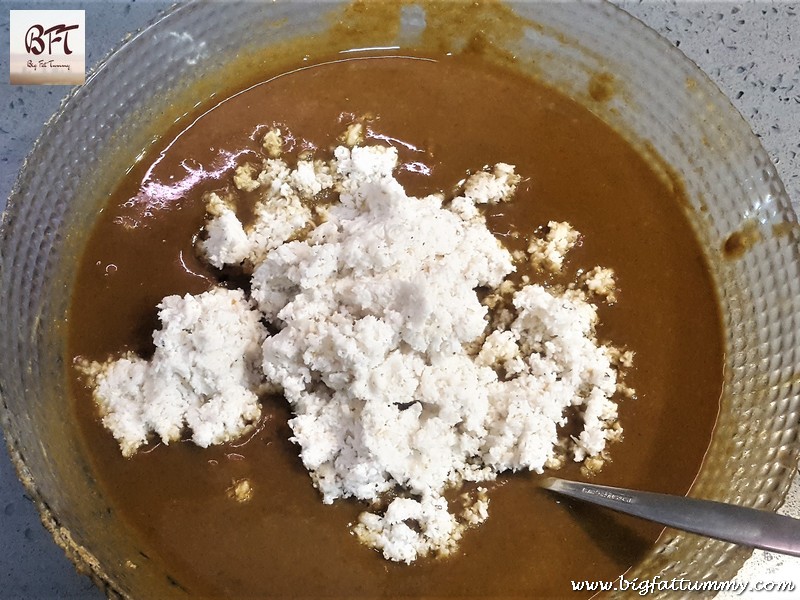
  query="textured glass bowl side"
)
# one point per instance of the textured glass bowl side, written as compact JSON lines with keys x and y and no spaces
{"x":662,"y":102}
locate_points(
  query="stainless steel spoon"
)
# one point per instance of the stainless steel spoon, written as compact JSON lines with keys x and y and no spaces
{"x":727,"y":522}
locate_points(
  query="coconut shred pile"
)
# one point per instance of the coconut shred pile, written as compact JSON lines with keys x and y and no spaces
{"x":399,"y":377}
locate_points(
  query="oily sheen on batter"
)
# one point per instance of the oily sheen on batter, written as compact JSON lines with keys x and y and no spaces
{"x":445,"y":115}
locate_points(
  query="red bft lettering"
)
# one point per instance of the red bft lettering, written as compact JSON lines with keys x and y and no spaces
{"x":34,"y":38}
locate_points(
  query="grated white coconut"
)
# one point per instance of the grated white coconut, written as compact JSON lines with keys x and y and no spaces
{"x":600,"y":282}
{"x":204,"y":374}
{"x":377,"y":316}
{"x":273,"y":142}
{"x":548,"y":252}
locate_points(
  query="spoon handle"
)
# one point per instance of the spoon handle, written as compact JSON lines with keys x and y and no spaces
{"x":727,"y":522}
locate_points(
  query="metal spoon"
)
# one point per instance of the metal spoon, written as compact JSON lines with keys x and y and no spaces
{"x":727,"y":522}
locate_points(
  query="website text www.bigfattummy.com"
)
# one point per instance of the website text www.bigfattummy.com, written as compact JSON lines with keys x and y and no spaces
{"x":656,"y":584}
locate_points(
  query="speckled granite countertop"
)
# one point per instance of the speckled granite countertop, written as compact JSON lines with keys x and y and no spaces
{"x":751,"y":51}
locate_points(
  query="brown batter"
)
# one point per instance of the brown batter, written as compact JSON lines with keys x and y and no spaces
{"x":452,"y":114}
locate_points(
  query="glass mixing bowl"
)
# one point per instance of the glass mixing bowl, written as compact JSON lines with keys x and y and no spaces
{"x":659,"y":100}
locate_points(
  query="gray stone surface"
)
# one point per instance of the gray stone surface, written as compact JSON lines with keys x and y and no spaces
{"x":750,"y":50}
